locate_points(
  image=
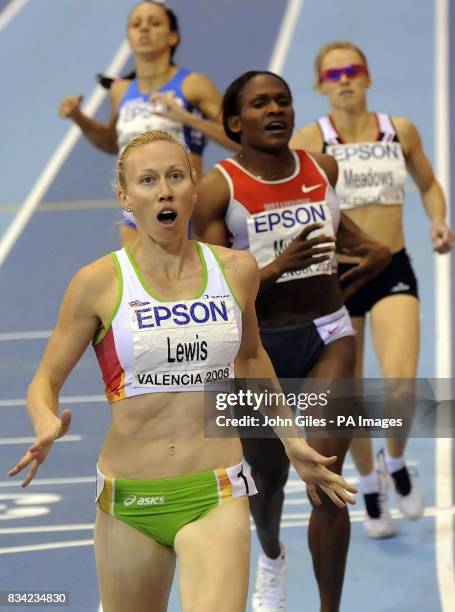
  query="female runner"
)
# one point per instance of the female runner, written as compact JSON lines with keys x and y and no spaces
{"x":373,"y":151}
{"x":269,"y":199}
{"x":137,"y":105}
{"x":164,"y":491}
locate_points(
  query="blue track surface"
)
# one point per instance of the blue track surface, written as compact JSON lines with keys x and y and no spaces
{"x":389,"y":576}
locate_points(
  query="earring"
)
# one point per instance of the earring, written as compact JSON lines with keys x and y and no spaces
{"x":129,"y":209}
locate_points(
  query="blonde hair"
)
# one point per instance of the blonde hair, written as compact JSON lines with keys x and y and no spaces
{"x":340,"y":44}
{"x":144,"y":139}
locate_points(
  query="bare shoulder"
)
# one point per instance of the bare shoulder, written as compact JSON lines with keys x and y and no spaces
{"x":241,"y":270}
{"x":118,"y":90}
{"x":308,"y":138}
{"x":215,"y":178}
{"x":403,"y":124}
{"x":95,"y":279}
{"x":329,"y":165}
{"x":408,"y":134}
{"x":196,"y":81}
{"x":214,"y":188}
{"x":236,"y":261}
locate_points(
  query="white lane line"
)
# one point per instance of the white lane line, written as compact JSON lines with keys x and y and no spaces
{"x":30,"y":440}
{"x":56,"y":161}
{"x":285,"y":35}
{"x":50,"y":481}
{"x":442,"y":167}
{"x":289,"y":520}
{"x":50,"y":546}
{"x":444,"y":524}
{"x":358,"y":515}
{"x":70,"y":399}
{"x":445,"y":562}
{"x":47,"y":528}
{"x":10,"y":12}
{"x":28,"y":335}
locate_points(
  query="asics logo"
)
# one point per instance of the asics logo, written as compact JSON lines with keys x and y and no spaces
{"x":143,"y":501}
{"x":306,"y":189}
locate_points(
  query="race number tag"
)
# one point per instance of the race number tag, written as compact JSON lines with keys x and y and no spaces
{"x":369,"y":173}
{"x":137,"y":116}
{"x":270,"y":232}
{"x":183,"y":343}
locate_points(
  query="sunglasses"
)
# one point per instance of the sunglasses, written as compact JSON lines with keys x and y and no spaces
{"x":334,"y":74}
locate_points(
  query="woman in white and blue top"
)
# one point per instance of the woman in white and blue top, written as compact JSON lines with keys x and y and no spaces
{"x":373,"y":152}
{"x":161,"y":96}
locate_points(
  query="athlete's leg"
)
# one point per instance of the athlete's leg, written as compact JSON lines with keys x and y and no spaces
{"x":269,"y":468}
{"x":361,"y":448}
{"x":134,"y":571}
{"x":329,"y":528}
{"x":214,"y":557}
{"x":396,"y":334}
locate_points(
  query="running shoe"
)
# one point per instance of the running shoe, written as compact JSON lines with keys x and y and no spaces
{"x":270,"y":589}
{"x":409,"y":497}
{"x":378,"y":523}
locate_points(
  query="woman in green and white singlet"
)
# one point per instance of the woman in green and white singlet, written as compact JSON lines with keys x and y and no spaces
{"x":165,"y":318}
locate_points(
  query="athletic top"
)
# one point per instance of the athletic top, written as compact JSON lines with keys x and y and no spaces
{"x":152,"y":346}
{"x":135,"y":115}
{"x":370,"y":172}
{"x":265,"y":216}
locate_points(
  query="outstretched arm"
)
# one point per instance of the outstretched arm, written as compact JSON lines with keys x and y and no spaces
{"x":252,"y":363}
{"x":76,"y":326}
{"x":204,"y":95}
{"x":102,"y":135}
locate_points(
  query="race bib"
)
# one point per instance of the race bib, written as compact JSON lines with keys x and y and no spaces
{"x":183,"y":343}
{"x":138,"y":116}
{"x":270,"y":232}
{"x":369,"y":173}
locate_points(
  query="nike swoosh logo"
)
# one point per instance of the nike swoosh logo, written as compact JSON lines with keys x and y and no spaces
{"x":332,"y":331}
{"x":306,"y":189}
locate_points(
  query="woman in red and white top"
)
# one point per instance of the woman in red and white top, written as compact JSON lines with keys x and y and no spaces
{"x":373,"y":152}
{"x":281,"y":205}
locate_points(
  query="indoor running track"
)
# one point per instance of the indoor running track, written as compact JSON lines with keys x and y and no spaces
{"x":46,"y":531}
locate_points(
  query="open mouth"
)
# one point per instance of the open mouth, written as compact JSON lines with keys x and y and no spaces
{"x":275,"y":126}
{"x":167,"y":216}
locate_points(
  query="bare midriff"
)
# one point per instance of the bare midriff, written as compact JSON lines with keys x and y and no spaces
{"x":294,"y":302}
{"x":162,"y":435}
{"x":382,"y":222}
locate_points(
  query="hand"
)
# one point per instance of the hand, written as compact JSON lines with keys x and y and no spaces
{"x":69,"y":106}
{"x":302,"y":253}
{"x":442,"y":237}
{"x":166,"y":105}
{"x":37,"y":453}
{"x":311,"y":467}
{"x":376,"y":259}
